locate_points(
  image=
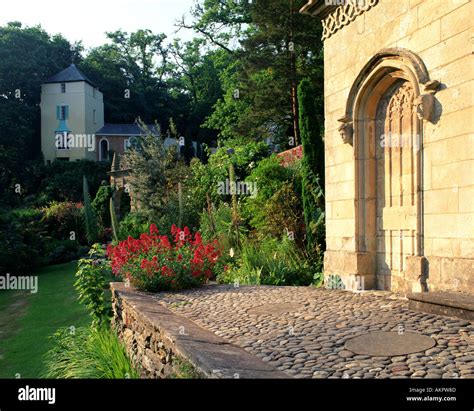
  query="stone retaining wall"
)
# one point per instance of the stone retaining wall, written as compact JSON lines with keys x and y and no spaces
{"x":163,"y":344}
{"x":146,"y":344}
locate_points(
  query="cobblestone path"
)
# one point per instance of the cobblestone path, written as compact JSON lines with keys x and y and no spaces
{"x":303,"y":330}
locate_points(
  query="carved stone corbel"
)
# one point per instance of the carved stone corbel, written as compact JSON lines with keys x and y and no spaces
{"x":346,"y":130}
{"x":424,"y":103}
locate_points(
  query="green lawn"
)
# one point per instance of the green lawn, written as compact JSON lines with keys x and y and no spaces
{"x":27,"y":320}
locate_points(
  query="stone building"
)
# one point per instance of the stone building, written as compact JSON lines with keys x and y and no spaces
{"x":399,"y":123}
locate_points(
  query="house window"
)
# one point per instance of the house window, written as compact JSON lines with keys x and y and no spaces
{"x":103,"y":150}
{"x":93,"y":116}
{"x":128,"y":143}
{"x":63,"y":112}
{"x":63,"y":87}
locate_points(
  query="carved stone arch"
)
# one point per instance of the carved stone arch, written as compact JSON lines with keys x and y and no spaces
{"x":381,"y":64}
{"x":394,"y":83}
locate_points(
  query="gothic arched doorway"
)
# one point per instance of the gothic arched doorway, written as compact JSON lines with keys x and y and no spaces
{"x":383,"y":121}
{"x":396,"y":181}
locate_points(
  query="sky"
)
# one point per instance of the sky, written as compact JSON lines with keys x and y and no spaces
{"x":88,"y":20}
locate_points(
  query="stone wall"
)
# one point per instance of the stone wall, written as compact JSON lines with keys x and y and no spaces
{"x":440,"y":33}
{"x":164,"y":344}
{"x":146,"y":345}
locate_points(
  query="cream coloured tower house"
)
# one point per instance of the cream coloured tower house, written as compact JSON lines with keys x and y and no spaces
{"x":72,"y":121}
{"x":72,"y":111}
{"x":399,"y":143}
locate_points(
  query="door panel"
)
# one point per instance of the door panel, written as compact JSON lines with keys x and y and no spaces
{"x":396,"y":216}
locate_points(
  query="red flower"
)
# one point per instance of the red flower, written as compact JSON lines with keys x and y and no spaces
{"x":153,"y":259}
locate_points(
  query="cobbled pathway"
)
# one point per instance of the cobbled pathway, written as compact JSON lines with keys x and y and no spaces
{"x":302,"y":331}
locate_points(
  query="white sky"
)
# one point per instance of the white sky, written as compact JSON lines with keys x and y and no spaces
{"x":88,"y":20}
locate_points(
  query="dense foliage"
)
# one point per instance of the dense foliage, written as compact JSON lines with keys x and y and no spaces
{"x":32,"y":237}
{"x":312,"y":166}
{"x":92,"y":275}
{"x":232,"y":87}
{"x":88,"y":353}
{"x":90,"y":216}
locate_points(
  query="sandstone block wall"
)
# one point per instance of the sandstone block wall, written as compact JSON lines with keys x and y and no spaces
{"x":441,"y":33}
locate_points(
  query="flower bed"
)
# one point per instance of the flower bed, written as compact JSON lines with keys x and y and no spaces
{"x":153,"y":262}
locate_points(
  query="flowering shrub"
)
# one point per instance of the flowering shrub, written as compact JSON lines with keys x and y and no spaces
{"x":154,"y":263}
{"x":60,"y":218}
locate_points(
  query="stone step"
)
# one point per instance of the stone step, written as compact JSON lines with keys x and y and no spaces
{"x":451,"y":304}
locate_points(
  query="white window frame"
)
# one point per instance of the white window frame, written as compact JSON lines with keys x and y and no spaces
{"x":100,"y":148}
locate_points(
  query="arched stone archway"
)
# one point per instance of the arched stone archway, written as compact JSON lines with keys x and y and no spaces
{"x":386,"y":107}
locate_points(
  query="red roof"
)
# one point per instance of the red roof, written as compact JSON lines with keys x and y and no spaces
{"x":290,"y":156}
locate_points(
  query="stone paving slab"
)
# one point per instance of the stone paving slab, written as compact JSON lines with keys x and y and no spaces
{"x":444,"y":303}
{"x":305,"y":334}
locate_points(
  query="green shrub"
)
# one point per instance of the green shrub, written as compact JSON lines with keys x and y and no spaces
{"x":101,"y":204}
{"x":30,"y":238}
{"x":312,"y":166}
{"x":63,"y":221}
{"x":22,"y":244}
{"x":216,"y":224}
{"x":268,"y":176}
{"x":284,"y":215}
{"x":91,"y":284}
{"x":88,"y":353}
{"x":205,"y":178}
{"x":133,"y":224}
{"x":63,"y":179}
{"x":272,"y":262}
{"x":95,"y":351}
{"x":62,"y":251}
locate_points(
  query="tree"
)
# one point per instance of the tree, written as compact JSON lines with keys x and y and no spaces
{"x":101,"y":204}
{"x":28,"y":56}
{"x":221,"y":23}
{"x":196,"y":76}
{"x":283,"y":48}
{"x":90,"y":218}
{"x":277,"y":48}
{"x":312,"y":165}
{"x":131,"y":71}
{"x":113,"y":220}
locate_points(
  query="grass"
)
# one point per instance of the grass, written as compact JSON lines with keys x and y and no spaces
{"x":28,"y":320}
{"x":89,"y":353}
{"x":183,"y":369}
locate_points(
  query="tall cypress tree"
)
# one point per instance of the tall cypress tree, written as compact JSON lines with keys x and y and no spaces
{"x":92,"y":229}
{"x":312,"y":165}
